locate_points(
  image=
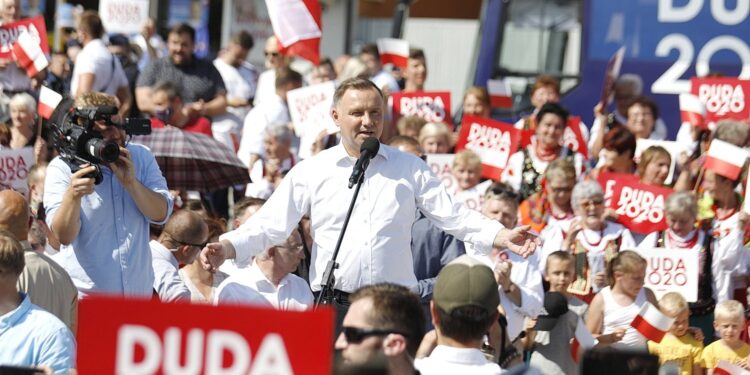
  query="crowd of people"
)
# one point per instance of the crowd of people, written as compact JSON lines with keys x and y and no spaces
{"x":482,"y":276}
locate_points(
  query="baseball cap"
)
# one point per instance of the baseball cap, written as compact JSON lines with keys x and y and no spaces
{"x":555,"y":305}
{"x":466,"y":281}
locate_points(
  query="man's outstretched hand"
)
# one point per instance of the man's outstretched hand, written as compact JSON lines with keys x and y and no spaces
{"x":518,"y":240}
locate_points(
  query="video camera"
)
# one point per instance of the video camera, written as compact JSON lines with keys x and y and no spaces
{"x":71,"y":132}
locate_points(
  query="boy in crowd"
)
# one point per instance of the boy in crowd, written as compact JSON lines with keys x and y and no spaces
{"x":551,"y":335}
{"x":729,"y":319}
{"x":678,"y":346}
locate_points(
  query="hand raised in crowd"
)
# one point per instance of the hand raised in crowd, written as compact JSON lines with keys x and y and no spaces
{"x":517,"y":240}
{"x":212,"y":256}
{"x":743,"y":220}
{"x":80,"y":185}
{"x":613,"y":337}
{"x":575,"y":227}
{"x":502,"y":273}
{"x":194,"y":109}
{"x":123,"y":168}
{"x":600,"y":279}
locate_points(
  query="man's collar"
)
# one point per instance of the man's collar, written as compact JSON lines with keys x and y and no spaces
{"x":341,"y":153}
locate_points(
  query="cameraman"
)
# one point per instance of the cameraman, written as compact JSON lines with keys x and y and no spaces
{"x":104,"y":229}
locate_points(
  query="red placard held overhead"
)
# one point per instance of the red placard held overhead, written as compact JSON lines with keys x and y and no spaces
{"x":149,"y":337}
{"x":10,"y":31}
{"x":639,"y":207}
{"x":493,"y":141}
{"x":724,"y":98}
{"x":431,"y":106}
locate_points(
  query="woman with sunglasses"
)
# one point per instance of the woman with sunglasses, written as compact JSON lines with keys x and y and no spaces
{"x":592,"y":240}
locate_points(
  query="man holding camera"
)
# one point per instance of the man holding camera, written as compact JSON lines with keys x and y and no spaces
{"x":104,"y":228}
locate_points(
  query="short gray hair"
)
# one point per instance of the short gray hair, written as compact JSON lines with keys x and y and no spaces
{"x":24,"y":99}
{"x":731,"y":131}
{"x":633,"y":80}
{"x":681,"y":203}
{"x":585,"y":190}
{"x":280,"y":132}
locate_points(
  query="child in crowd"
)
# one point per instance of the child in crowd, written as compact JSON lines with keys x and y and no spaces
{"x":410,"y":126}
{"x":679,"y":346}
{"x":729,"y":319}
{"x":467,"y":169}
{"x":613,"y":309}
{"x":435,"y":138}
{"x":552,"y":344}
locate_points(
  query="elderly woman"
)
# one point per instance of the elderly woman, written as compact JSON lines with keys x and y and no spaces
{"x":717,"y":259}
{"x":435,"y":138}
{"x":592,"y":240}
{"x":551,"y":206}
{"x":642,"y":113}
{"x":23,"y":127}
{"x":267,"y":172}
{"x":526,"y":167}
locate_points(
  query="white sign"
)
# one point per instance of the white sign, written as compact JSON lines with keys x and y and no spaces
{"x":671,"y":271}
{"x":14,"y":169}
{"x":441,"y":165}
{"x":310,"y":110}
{"x":675,"y":149}
{"x":123,"y":16}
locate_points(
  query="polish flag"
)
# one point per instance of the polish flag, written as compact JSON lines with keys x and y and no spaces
{"x":583,"y":339}
{"x":500,"y":94}
{"x":726,"y":368}
{"x":48,"y":101}
{"x":393,"y":51}
{"x":725,"y":159}
{"x":28,"y":54}
{"x":297,"y":26}
{"x":693,"y":111}
{"x":651,"y":323}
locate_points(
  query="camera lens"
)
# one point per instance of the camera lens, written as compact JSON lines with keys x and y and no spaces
{"x":108,"y":152}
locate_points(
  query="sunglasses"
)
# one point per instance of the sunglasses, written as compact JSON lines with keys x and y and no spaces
{"x":272,"y":54}
{"x":198,"y":245}
{"x":356,"y":335}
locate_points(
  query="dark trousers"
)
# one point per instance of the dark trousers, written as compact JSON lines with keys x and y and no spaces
{"x":340,"y":305}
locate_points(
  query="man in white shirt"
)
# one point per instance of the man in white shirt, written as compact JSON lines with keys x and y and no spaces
{"x":270,"y":280}
{"x":274,"y":60}
{"x":371,"y":57}
{"x":464,"y":306}
{"x":384,"y":322}
{"x":240,"y":79}
{"x":184,"y":235}
{"x":395,"y":186}
{"x":271,"y":111}
{"x":97,"y":69}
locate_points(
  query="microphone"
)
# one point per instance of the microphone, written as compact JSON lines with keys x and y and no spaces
{"x":367,"y":151}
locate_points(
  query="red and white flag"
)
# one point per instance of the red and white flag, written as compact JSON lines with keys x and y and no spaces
{"x":725,"y":159}
{"x":28,"y":54}
{"x":692,"y":110}
{"x":393,"y":51}
{"x":583,"y":339}
{"x":500,"y":94}
{"x":651,"y":323}
{"x":726,"y":368}
{"x":48,"y":101}
{"x":297,"y":26}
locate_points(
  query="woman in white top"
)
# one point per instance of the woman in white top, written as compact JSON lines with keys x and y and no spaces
{"x":614,"y":308}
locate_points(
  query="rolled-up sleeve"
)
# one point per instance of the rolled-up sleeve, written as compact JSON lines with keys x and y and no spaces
{"x":152,"y":179}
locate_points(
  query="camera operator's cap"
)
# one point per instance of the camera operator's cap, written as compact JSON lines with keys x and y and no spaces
{"x":555,"y":306}
{"x":466,"y":281}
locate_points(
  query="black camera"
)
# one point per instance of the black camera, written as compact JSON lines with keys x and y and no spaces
{"x":71,"y":132}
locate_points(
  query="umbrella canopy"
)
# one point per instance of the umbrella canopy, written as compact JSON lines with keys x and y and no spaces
{"x":194,"y":161}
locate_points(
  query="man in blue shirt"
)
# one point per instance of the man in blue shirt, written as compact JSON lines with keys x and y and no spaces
{"x":29,"y":335}
{"x":104,"y":229}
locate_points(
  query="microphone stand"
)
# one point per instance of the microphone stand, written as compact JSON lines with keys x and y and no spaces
{"x":326,"y":292}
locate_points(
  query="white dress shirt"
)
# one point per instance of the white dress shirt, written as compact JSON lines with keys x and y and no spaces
{"x":377,"y":244}
{"x":250,"y":286}
{"x":449,"y":360}
{"x":271,"y":111}
{"x":167,"y":281}
{"x":266,"y":86}
{"x":526,"y":276}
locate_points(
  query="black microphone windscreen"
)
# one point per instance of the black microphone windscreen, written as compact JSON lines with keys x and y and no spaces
{"x":371,"y":145}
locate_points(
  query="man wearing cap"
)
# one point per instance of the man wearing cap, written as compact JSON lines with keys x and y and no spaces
{"x":464,"y":306}
{"x":384,"y":322}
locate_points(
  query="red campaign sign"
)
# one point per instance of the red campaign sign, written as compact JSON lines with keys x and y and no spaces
{"x":149,"y":337}
{"x":493,"y":141}
{"x":724,"y":98}
{"x":608,"y":180}
{"x":9,"y":33}
{"x":431,"y":106}
{"x":639,"y":207}
{"x":572,"y":138}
